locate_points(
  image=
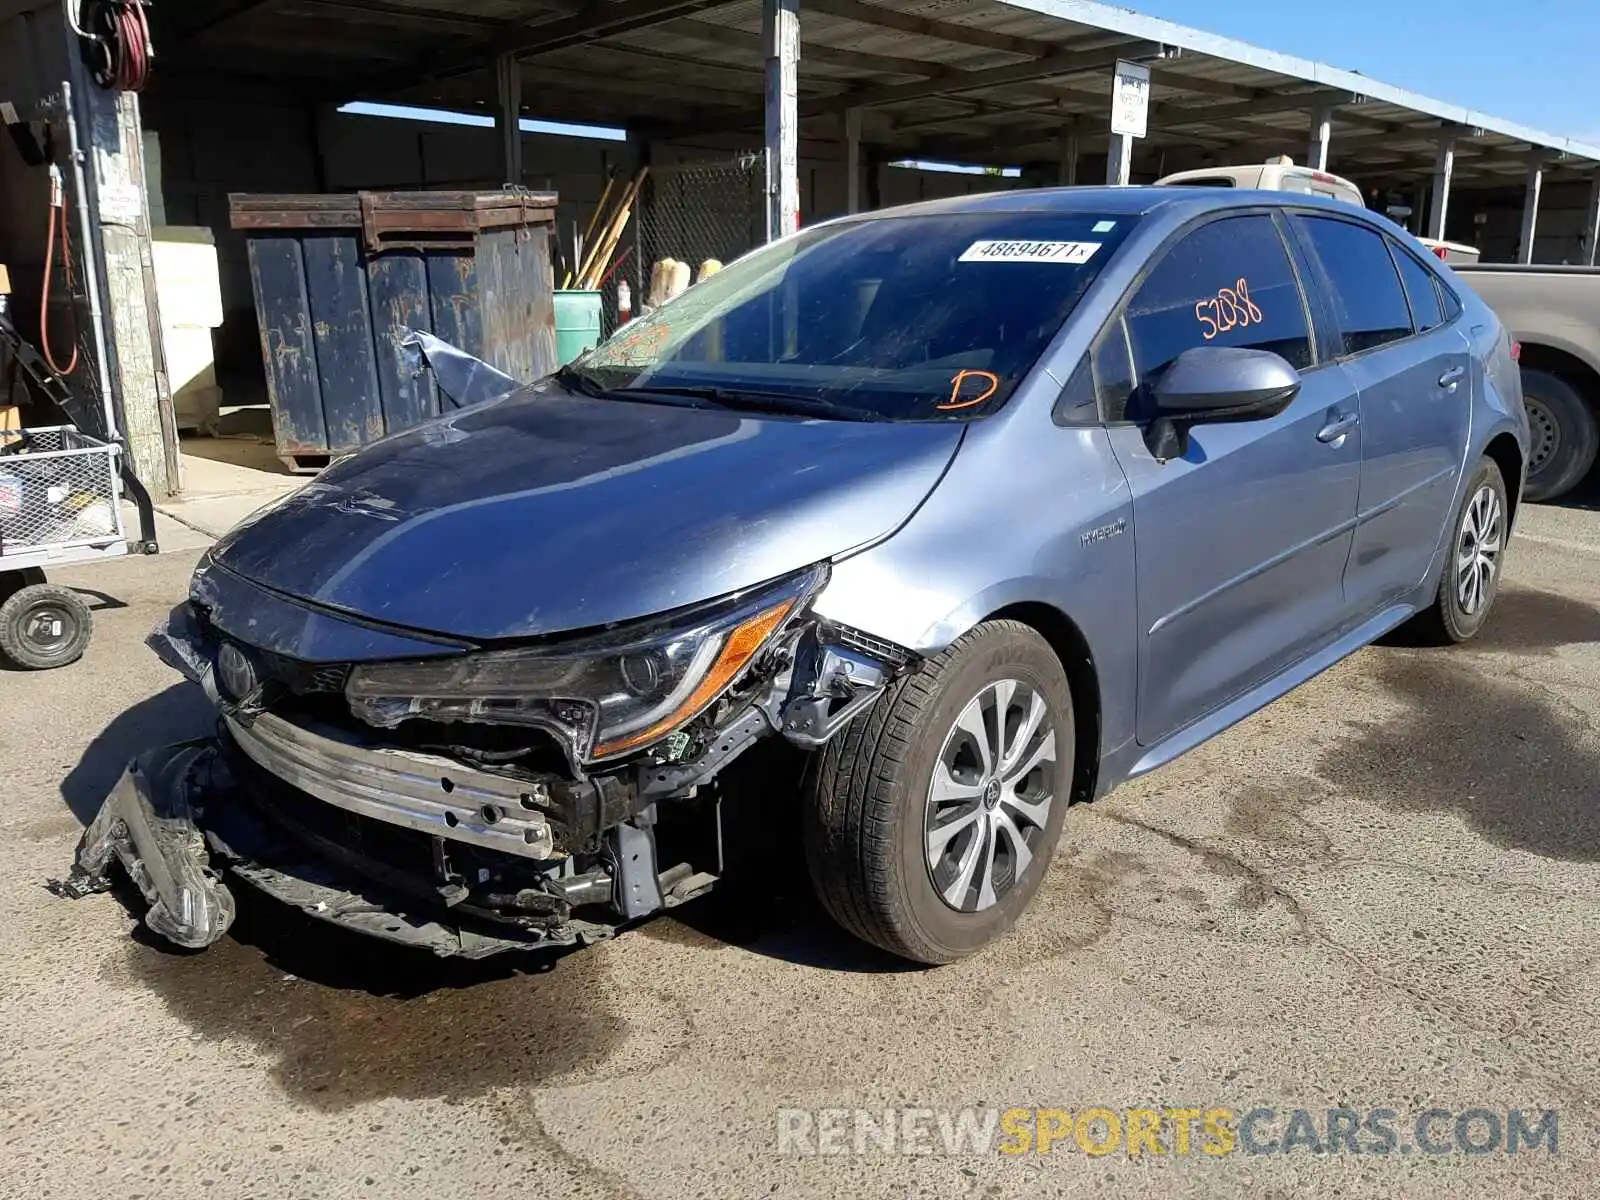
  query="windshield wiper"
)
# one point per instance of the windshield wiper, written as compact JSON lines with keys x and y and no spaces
{"x":756,"y":400}
{"x":575,"y":380}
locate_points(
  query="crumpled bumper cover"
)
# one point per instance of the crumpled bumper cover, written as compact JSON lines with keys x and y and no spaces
{"x":148,"y":824}
{"x":178,"y":823}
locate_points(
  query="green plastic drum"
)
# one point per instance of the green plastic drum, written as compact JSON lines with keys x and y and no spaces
{"x":577,"y":323}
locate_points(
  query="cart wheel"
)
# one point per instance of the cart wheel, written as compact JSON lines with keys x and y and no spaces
{"x":43,"y":626}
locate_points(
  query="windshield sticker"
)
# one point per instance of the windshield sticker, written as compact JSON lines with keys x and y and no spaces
{"x":1230,"y":308}
{"x":1050,"y":252}
{"x":984,"y":383}
{"x":1104,"y":226}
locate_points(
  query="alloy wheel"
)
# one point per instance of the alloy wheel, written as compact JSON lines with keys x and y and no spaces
{"x":1478,"y":550}
{"x":990,"y":796}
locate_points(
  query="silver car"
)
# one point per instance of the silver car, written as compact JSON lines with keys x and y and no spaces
{"x":987,"y":504}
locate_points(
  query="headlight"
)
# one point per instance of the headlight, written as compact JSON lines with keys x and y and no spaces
{"x":607,"y":695}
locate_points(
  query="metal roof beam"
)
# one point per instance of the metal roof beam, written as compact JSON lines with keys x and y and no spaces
{"x":946,"y":31}
{"x":594,"y":21}
{"x":991,"y":147}
{"x":721,"y":35}
{"x":217,"y":17}
{"x":952,"y":83}
{"x":1167,"y":77}
{"x":422,"y":19}
{"x":1176,"y":116}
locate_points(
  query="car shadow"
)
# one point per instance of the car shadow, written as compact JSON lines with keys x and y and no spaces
{"x":1585,"y":497}
{"x":179,"y":712}
{"x":342,"y":1020}
{"x":764,"y":904}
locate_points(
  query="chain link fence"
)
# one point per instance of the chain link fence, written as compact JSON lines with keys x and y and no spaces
{"x":692,"y":212}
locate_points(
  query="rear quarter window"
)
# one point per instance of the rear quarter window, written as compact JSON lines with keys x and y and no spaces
{"x":1365,"y":295}
{"x":1427,"y":311}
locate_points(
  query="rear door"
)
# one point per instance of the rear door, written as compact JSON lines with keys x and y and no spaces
{"x":1240,"y":545}
{"x":1413,"y":371}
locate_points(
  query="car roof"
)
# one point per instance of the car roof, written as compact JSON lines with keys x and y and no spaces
{"x":1139,"y":200}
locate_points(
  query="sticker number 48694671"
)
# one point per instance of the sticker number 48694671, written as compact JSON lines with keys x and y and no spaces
{"x":1047,"y":252}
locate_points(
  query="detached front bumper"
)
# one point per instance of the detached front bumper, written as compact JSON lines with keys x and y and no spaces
{"x":186,"y":819}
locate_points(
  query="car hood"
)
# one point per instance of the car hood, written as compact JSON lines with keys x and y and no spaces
{"x":545,"y":512}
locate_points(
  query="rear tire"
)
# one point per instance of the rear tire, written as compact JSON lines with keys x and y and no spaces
{"x":43,"y":626}
{"x":1474,"y":561}
{"x":1564,"y":435}
{"x":935,"y":871}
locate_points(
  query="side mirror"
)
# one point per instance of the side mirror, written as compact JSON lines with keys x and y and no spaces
{"x":1209,"y":384}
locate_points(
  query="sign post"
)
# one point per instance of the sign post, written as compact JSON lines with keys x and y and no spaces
{"x":1130,"y":110}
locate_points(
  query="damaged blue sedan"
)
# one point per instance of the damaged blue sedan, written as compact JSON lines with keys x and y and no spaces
{"x":987,"y":504}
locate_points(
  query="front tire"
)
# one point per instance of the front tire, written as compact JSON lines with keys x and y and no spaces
{"x":931,"y":821}
{"x":1470,"y":580}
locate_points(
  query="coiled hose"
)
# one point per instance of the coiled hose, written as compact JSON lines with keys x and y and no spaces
{"x":122,"y":51}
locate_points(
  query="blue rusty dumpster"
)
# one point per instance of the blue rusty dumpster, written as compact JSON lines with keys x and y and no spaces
{"x":340,"y":280}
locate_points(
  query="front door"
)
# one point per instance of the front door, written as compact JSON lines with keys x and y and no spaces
{"x":1414,"y":375}
{"x":1241,"y":543}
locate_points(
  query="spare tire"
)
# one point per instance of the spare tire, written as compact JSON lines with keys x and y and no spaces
{"x":1563,"y":435}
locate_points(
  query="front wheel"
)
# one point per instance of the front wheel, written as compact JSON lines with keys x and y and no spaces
{"x":931,"y":821}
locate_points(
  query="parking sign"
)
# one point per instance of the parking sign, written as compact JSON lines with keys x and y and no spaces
{"x":1130,"y":99}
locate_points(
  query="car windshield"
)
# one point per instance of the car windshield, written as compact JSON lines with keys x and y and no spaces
{"x":923,"y":317}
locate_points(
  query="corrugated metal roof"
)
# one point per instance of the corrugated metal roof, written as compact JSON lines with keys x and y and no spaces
{"x":985,"y":80}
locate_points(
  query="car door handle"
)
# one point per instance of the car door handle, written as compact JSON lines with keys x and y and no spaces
{"x":1335,"y":429}
{"x":1452,"y":377}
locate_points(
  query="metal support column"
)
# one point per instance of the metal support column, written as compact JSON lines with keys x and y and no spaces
{"x":1067,"y":144}
{"x":1119,"y":159}
{"x":1530,"y":208}
{"x":1591,"y":221}
{"x":1321,"y":135}
{"x":852,"y":160}
{"x":780,"y":35}
{"x":508,"y":117}
{"x":1444,"y":168}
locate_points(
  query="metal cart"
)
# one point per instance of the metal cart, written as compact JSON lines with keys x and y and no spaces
{"x":60,"y":502}
{"x":61,"y":494}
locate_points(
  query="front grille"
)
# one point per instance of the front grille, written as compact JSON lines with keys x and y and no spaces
{"x":301,"y":678}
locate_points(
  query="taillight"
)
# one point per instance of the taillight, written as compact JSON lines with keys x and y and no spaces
{"x":1516,"y":351}
{"x":1441,"y":253}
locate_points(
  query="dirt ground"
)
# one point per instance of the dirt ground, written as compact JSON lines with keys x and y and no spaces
{"x":1381,"y":892}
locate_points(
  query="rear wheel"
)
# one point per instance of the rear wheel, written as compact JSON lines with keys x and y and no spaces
{"x":1470,"y":580}
{"x":931,"y":821}
{"x":43,"y":625}
{"x":1563,"y":435}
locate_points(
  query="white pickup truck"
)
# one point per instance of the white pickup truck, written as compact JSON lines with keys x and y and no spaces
{"x":1554,"y":314}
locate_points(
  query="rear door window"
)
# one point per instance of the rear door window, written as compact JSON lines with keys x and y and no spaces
{"x":1227,"y":283}
{"x":1426,"y":311}
{"x":1366,"y":299}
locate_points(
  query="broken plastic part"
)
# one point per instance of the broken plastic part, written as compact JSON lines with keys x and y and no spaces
{"x":179,"y":643}
{"x":148,"y":824}
{"x":464,"y":379}
{"x":842,"y":683}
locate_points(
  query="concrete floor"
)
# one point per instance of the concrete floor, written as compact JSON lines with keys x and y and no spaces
{"x":1383,"y":891}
